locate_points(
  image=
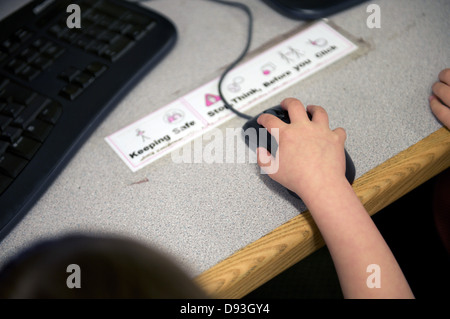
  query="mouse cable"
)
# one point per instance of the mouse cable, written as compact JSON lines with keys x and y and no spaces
{"x":247,"y":10}
{"x":241,"y":56}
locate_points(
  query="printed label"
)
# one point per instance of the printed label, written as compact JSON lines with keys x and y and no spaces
{"x":265,"y":75}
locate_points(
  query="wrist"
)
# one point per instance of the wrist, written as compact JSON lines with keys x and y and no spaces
{"x":335,"y":194}
{"x":321,"y":188}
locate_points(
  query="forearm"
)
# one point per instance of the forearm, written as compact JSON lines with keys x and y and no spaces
{"x":355,"y":243}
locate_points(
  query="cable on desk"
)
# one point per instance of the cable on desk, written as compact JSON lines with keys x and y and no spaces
{"x":241,"y":56}
{"x":247,"y":10}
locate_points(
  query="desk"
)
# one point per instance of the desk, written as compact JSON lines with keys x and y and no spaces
{"x":229,"y":227}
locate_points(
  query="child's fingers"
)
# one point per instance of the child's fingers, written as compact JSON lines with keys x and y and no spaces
{"x":442,"y":91}
{"x":444,"y":76}
{"x":341,"y":133}
{"x":270,"y":122}
{"x":441,"y":111}
{"x":318,"y":113}
{"x":295,"y":108}
{"x":264,"y":158}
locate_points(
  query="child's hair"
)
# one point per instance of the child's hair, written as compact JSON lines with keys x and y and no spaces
{"x":109,"y":267}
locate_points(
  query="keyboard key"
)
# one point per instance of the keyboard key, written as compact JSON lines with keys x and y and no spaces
{"x":11,"y":134}
{"x":96,"y":68}
{"x":53,"y":51}
{"x":3,"y":82}
{"x":4,"y":182}
{"x":136,"y":18}
{"x":97,"y":47}
{"x":13,"y":109}
{"x":120,"y":27}
{"x":92,"y":31}
{"x":15,"y":66}
{"x":32,"y":111}
{"x":96,"y":16}
{"x":111,"y":9}
{"x":83,"y":41}
{"x":41,"y":44}
{"x":71,"y":35}
{"x":22,"y":35}
{"x":89,"y":3}
{"x":103,"y":19}
{"x":108,"y":36}
{"x":11,"y":165}
{"x":51,"y":113}
{"x":83,"y":79}
{"x":3,"y":147}
{"x":25,"y":147}
{"x":3,"y":56}
{"x":58,"y":30}
{"x":69,"y":74}
{"x":42,"y":63}
{"x":71,"y":91}
{"x":29,"y":54}
{"x":116,"y":49}
{"x":19,"y":93}
{"x":9,"y":46}
{"x":136,"y":32}
{"x":29,"y":73}
{"x":38,"y":130}
{"x":4,"y":121}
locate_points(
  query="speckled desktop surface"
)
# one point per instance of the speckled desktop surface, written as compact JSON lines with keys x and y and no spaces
{"x":202,"y":213}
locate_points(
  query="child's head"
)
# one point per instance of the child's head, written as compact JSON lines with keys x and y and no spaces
{"x":105,"y":267}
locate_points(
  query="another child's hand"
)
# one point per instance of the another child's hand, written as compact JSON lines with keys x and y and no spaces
{"x":440,"y":100}
{"x":310,"y":155}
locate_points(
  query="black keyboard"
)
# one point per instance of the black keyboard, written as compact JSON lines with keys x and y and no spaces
{"x":57,"y":83}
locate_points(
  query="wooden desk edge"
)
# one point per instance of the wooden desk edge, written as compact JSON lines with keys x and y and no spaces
{"x":260,"y":261}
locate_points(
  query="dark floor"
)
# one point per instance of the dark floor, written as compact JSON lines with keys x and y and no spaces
{"x":409,"y":229}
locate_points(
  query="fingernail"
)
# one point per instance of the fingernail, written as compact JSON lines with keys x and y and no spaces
{"x":431,"y":98}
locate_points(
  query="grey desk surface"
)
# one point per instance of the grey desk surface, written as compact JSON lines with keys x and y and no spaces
{"x":203,"y":213}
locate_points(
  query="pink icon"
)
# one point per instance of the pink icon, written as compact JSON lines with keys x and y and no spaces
{"x":141,"y":134}
{"x":268,"y":68}
{"x":173,"y":116}
{"x":320,"y":42}
{"x":210,"y":99}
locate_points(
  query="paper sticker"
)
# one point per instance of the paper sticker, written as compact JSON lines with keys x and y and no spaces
{"x":281,"y":66}
{"x":158,"y":133}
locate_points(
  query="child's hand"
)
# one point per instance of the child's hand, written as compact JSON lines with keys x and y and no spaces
{"x":311,"y":162}
{"x":440,"y":101}
{"x":311,"y":155}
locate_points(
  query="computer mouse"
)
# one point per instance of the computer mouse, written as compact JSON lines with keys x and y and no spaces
{"x":271,"y":144}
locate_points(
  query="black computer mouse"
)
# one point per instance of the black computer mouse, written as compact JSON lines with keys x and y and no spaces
{"x":271,"y":145}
